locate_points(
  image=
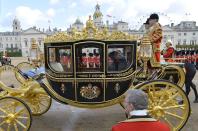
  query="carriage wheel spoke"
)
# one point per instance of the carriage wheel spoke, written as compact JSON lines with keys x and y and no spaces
{"x":171,"y":98}
{"x":32,"y":108}
{"x":20,"y":123}
{"x":176,"y":106}
{"x":43,"y":104}
{"x":4,"y":111}
{"x":19,"y":112}
{"x":15,"y":126}
{"x":162,"y":96}
{"x":170,"y":124}
{"x":8,"y":128}
{"x":150,"y":94}
{"x":2,"y":123}
{"x":153,"y":89}
{"x":161,"y":99}
{"x":43,"y":98}
{"x":38,"y":108}
{"x":2,"y":116}
{"x":22,"y":117}
{"x":174,"y":115}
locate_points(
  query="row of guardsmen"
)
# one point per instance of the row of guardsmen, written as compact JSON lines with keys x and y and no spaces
{"x":190,"y":56}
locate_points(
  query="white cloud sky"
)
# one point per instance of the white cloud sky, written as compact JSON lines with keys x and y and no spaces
{"x":54,"y":1}
{"x":51,"y":12}
{"x":64,"y":13}
{"x":30,"y":16}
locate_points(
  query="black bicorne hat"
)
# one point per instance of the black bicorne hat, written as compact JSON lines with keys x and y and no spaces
{"x":154,"y":16}
{"x":147,"y":22}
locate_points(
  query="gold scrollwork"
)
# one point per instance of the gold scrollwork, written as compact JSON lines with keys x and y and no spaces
{"x":90,"y":92}
{"x":123,"y":74}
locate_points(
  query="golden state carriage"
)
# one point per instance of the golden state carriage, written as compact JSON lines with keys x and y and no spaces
{"x":92,"y":69}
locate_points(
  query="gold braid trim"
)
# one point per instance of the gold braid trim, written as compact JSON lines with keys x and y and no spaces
{"x":155,"y":33}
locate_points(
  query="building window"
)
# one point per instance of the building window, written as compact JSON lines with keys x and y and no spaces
{"x":6,"y":38}
{"x":26,"y":43}
{"x":192,"y":42}
{"x":39,"y":41}
{"x":6,"y":45}
{"x":179,"y":42}
{"x":165,"y":37}
{"x":11,"y":45}
{"x":10,"y":38}
{"x":172,"y":38}
{"x":15,"y":45}
{"x":179,"y":34}
{"x":32,"y":39}
{"x":1,"y":38}
{"x":184,"y":41}
{"x":185,"y":34}
{"x":15,"y":38}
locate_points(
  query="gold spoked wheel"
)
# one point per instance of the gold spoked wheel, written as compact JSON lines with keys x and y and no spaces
{"x":14,"y":115}
{"x":24,"y":66}
{"x":174,"y":74}
{"x":39,"y":103}
{"x":21,"y":68}
{"x":167,"y":102}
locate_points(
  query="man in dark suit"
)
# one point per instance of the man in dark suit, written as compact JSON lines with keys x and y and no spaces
{"x":190,"y":74}
{"x":136,"y":104}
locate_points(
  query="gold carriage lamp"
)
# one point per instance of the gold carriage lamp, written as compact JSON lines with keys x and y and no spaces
{"x":145,"y":52}
{"x":34,"y":53}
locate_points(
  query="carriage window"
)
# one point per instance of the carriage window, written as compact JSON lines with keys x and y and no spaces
{"x":60,"y":59}
{"x":119,"y":57}
{"x":89,"y":59}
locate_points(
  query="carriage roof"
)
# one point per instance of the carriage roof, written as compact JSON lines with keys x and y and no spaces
{"x":90,"y":32}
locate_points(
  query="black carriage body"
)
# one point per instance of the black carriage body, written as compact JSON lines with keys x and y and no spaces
{"x":90,"y":72}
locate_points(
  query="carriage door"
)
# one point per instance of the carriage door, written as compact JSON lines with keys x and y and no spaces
{"x":90,"y":71}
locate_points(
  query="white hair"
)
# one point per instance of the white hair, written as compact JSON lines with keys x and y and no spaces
{"x":137,"y":98}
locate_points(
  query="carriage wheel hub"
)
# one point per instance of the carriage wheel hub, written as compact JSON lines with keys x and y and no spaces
{"x":10,"y":118}
{"x":158,"y":111}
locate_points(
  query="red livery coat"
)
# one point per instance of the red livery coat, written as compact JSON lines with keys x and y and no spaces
{"x":155,"y":35}
{"x":169,"y":54}
{"x":197,"y":58}
{"x":141,"y":124}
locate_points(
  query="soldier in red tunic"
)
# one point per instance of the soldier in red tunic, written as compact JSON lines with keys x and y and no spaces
{"x":192,"y":53}
{"x":183,"y":56}
{"x":177,"y":56}
{"x":155,"y":34}
{"x":168,"y":54}
{"x":84,"y":60}
{"x":136,"y":104}
{"x":188,"y":56}
{"x":91,"y":60}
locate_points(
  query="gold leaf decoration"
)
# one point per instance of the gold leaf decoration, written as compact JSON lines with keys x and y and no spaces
{"x":89,"y":32}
